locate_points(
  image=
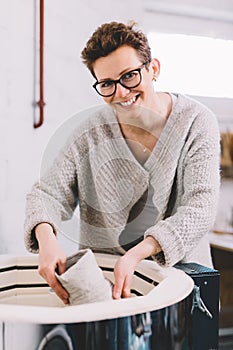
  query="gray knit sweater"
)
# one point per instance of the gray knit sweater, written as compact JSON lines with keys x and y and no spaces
{"x":97,"y":171}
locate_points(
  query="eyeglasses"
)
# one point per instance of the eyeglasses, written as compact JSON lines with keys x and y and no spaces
{"x":128,"y":80}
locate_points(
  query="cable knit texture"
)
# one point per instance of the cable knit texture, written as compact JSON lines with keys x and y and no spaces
{"x":97,"y":170}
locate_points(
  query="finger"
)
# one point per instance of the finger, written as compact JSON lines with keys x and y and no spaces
{"x":126,"y":290}
{"x":61,"y":267}
{"x":116,"y":292}
{"x":126,"y":293}
{"x":118,"y":286}
{"x":59,"y":290}
{"x":49,"y":276}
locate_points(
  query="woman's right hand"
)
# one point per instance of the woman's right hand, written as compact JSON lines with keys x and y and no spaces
{"x":51,"y":259}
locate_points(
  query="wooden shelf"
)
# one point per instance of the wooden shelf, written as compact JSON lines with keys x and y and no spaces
{"x":221,"y":240}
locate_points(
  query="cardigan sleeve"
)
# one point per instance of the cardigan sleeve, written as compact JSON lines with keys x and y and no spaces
{"x":197,"y":196}
{"x":52,"y":199}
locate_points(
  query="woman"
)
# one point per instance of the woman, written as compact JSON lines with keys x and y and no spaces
{"x":144,"y":168}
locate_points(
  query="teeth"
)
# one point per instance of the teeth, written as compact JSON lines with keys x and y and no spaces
{"x":128,"y":103}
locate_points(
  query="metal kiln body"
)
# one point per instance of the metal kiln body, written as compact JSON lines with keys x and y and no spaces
{"x":162,"y":314}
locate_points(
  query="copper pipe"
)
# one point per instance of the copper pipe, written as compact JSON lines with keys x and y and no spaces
{"x":41,"y":102}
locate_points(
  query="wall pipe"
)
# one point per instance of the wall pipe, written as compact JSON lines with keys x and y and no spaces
{"x":41,"y":102}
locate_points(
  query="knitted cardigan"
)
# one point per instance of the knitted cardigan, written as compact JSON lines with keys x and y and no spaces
{"x":97,"y":171}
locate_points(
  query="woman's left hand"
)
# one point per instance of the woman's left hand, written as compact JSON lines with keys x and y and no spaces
{"x":126,"y":264}
{"x":123,"y":272}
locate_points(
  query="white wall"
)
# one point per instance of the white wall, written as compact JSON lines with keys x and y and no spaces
{"x":68,"y":24}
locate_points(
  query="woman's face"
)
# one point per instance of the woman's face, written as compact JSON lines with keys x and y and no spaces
{"x":119,"y":62}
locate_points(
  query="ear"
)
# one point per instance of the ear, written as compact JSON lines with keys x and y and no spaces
{"x":155,"y":65}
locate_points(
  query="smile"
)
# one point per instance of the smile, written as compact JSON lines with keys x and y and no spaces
{"x":128,"y":103}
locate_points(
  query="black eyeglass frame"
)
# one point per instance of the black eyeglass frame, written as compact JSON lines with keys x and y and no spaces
{"x":118,"y":81}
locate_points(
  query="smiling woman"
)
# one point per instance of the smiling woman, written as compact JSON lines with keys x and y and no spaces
{"x":143,"y":168}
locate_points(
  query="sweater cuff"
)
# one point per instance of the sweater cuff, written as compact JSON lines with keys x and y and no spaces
{"x":31,"y":242}
{"x":170,"y":242}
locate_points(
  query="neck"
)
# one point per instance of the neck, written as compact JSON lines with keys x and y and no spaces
{"x":162,"y":104}
{"x":150,"y":120}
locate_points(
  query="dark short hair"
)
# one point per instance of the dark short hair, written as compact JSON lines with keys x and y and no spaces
{"x":110,"y":36}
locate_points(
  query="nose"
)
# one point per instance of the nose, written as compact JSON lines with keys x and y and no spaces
{"x":121,"y":91}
